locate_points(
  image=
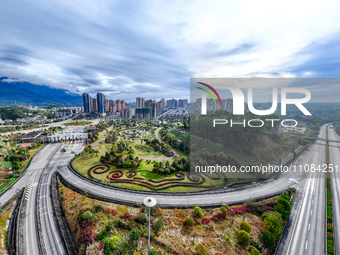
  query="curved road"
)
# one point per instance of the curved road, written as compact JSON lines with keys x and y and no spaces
{"x":306,"y":236}
{"x":271,"y":187}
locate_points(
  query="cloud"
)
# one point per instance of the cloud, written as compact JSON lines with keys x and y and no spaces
{"x":319,"y":59}
{"x":152,"y":48}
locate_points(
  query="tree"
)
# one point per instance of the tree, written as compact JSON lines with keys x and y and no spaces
{"x":243,"y":237}
{"x":198,"y":211}
{"x":267,"y":239}
{"x":224,"y":211}
{"x":154,"y":252}
{"x":245,"y":226}
{"x":254,"y":251}
{"x":158,"y":226}
{"x":156,"y":166}
{"x":189,"y":222}
{"x":201,"y":250}
{"x":86,"y":215}
{"x":273,"y":225}
{"x":134,"y":238}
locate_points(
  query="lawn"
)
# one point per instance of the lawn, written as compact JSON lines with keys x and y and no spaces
{"x":84,"y":162}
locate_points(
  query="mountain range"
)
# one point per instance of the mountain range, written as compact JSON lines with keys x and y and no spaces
{"x":25,"y":93}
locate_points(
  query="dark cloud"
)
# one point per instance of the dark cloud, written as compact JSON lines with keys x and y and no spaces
{"x":107,"y":47}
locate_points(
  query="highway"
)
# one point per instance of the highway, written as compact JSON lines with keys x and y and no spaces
{"x":312,"y":155}
{"x":27,"y":236}
{"x":307,"y":232}
{"x":306,"y":236}
{"x":43,"y":164}
{"x":334,"y":158}
{"x":52,"y":239}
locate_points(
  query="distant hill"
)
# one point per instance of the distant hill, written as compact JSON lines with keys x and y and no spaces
{"x":30,"y":94}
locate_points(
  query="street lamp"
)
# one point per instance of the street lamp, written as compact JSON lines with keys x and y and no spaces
{"x":149,"y":202}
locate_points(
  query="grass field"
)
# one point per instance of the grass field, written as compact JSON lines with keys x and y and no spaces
{"x":85,"y":161}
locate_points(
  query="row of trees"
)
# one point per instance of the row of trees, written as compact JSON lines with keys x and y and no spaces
{"x":174,"y":141}
{"x":178,"y":164}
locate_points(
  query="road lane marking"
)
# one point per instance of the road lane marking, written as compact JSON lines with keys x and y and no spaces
{"x":311,"y":212}
{"x":306,"y":245}
{"x":309,"y":226}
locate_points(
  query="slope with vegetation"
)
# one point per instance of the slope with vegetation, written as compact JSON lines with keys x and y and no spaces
{"x":106,"y":228}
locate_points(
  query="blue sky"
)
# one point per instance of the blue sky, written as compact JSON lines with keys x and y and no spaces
{"x":152,"y":48}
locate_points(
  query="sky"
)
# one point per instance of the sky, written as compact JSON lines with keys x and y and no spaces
{"x":152,"y":48}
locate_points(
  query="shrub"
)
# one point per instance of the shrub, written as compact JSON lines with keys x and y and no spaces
{"x":198,"y":211}
{"x":245,"y":226}
{"x":206,"y":220}
{"x":142,"y":218}
{"x":86,"y":215}
{"x":254,"y":251}
{"x":243,"y":237}
{"x":154,"y":252}
{"x":114,"y":242}
{"x":273,"y":225}
{"x":101,"y":234}
{"x":158,"y":226}
{"x":267,"y":239}
{"x":201,"y":250}
{"x":219,"y":216}
{"x":189,"y":222}
{"x":329,"y":229}
{"x":134,"y":238}
{"x":223,"y":210}
{"x":100,"y":207}
{"x":82,"y":249}
{"x":254,"y":244}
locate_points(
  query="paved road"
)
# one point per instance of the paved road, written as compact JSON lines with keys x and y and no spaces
{"x":334,"y":158}
{"x":270,"y":187}
{"x":307,"y":233}
{"x":54,"y":124}
{"x":27,"y":236}
{"x":52,"y":240}
{"x":305,"y":237}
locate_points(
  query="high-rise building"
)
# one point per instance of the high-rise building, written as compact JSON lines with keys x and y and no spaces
{"x":106,"y":105}
{"x":171,"y":103}
{"x":183,"y":103}
{"x":147,"y":103}
{"x":94,"y":106}
{"x":101,"y":103}
{"x":118,"y":105}
{"x":87,"y":102}
{"x":126,"y":113}
{"x":156,"y":109}
{"x":111,"y":106}
{"x":123,"y":105}
{"x":140,"y":102}
{"x":164,"y":103}
{"x":142,"y":113}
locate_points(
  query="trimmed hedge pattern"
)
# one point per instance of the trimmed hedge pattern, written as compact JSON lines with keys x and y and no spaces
{"x":196,"y":180}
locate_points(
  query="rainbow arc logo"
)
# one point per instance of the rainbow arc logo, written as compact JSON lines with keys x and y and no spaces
{"x":209,"y":93}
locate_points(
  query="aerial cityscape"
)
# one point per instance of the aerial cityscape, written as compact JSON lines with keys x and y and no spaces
{"x":169,"y":127}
